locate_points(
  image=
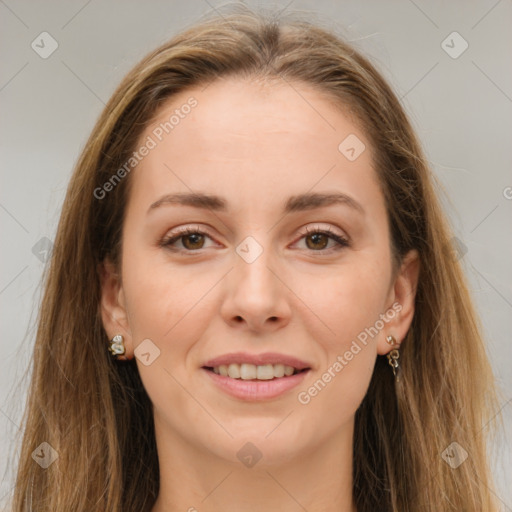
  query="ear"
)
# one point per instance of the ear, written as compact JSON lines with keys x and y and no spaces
{"x":113,"y":310}
{"x":400,"y":310}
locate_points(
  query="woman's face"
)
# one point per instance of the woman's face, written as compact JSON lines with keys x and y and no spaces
{"x":258,"y":273}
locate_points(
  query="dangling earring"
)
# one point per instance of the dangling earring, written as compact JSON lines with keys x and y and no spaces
{"x":116,"y":346}
{"x":393,"y":357}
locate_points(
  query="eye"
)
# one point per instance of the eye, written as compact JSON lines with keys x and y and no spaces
{"x":192,"y":239}
{"x":318,"y":239}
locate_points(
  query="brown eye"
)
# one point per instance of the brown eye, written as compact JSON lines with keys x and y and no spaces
{"x":193,"y":241}
{"x":319,"y":241}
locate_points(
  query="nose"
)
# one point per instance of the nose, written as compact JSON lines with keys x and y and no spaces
{"x":257,"y":298}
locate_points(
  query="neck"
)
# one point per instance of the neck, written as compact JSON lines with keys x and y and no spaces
{"x":196,"y":480}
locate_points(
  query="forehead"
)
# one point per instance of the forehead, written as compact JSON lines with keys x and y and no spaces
{"x":254,"y":141}
{"x":253,"y":112}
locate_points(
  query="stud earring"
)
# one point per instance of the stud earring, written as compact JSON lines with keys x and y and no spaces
{"x":390,"y":340}
{"x":116,"y":346}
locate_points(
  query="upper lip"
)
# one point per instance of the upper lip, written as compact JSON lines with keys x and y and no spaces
{"x":257,"y":359}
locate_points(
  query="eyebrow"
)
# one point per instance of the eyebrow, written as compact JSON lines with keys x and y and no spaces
{"x":301,"y":202}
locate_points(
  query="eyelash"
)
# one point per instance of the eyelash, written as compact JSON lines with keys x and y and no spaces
{"x":168,"y":241}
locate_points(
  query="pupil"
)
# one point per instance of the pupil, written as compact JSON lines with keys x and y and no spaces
{"x":315,"y":236}
{"x":193,"y":236}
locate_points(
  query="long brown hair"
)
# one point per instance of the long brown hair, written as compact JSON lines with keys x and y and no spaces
{"x":95,"y":413}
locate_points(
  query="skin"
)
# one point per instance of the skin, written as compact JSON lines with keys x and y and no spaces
{"x":255,"y":145}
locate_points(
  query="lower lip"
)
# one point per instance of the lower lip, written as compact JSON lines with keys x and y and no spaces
{"x":254,"y":390}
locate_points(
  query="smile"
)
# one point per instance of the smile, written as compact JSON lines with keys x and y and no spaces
{"x":246,"y":371}
{"x":255,"y":383}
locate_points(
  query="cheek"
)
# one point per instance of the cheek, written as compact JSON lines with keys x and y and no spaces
{"x":349,"y":301}
{"x":351,"y":307}
{"x":165,"y":304}
{"x":172,"y":310}
{"x":337,"y":392}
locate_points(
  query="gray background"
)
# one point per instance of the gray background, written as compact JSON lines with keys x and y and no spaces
{"x":461,"y":108}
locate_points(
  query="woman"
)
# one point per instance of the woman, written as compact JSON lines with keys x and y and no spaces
{"x":252,"y":302}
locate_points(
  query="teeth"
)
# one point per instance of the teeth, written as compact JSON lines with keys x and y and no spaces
{"x":279,"y":370}
{"x":234,"y":371}
{"x":265,"y":372}
{"x":246,"y":371}
{"x":288,"y":370}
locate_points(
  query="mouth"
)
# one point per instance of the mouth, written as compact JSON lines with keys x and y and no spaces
{"x":251,"y":372}
{"x":255,"y":383}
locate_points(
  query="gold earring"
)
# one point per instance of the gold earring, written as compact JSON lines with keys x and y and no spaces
{"x":393,"y":357}
{"x":116,"y":346}
{"x":390,"y":340}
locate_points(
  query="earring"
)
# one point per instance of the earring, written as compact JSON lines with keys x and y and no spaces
{"x":393,"y":357}
{"x":390,"y":340}
{"x":116,"y":346}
